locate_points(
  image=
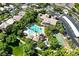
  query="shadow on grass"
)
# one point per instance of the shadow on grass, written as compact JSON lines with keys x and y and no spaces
{"x":16,"y":43}
{"x":9,"y":50}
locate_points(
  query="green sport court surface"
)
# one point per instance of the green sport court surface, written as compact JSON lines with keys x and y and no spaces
{"x":60,"y":39}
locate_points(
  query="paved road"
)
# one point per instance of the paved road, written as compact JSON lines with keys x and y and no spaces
{"x":69,"y":30}
{"x":67,"y":27}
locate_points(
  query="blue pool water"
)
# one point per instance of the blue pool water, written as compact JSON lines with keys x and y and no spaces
{"x":29,"y":31}
{"x":36,"y":28}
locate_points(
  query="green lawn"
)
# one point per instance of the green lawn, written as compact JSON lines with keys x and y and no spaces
{"x":1,"y":43}
{"x":18,"y":50}
{"x":2,"y":35}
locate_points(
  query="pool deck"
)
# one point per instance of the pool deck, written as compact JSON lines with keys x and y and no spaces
{"x":32,"y":34}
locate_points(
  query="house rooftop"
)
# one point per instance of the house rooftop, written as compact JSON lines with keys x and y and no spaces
{"x":10,"y":21}
{"x":46,"y":19}
{"x":1,"y":8}
{"x":11,"y":6}
{"x":6,"y":23}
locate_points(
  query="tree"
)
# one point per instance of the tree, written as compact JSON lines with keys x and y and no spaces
{"x":5,"y":50}
{"x":19,"y":33}
{"x":77,"y":6}
{"x":1,"y":5}
{"x":2,"y":50}
{"x":61,"y":52}
{"x":67,"y":52}
{"x":11,"y":29}
{"x":41,"y":44}
{"x":38,"y":21}
{"x":43,"y":5}
{"x":76,"y":51}
{"x":73,"y":9}
{"x":47,"y":31}
{"x":31,"y":15}
{"x":58,"y":9}
{"x":50,"y":30}
{"x":60,"y":27}
{"x":48,"y":52}
{"x":52,"y":39}
{"x":29,"y":47}
{"x":2,"y":36}
{"x":11,"y":38}
{"x":43,"y":11}
{"x":53,"y":43}
{"x":70,"y":13}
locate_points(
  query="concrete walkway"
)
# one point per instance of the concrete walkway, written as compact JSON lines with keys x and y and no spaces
{"x":22,"y":41}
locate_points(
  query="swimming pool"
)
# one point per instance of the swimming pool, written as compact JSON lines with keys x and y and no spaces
{"x":29,"y":32}
{"x":36,"y":28}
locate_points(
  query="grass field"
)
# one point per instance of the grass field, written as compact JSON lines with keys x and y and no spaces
{"x":18,"y":50}
{"x":1,"y":43}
